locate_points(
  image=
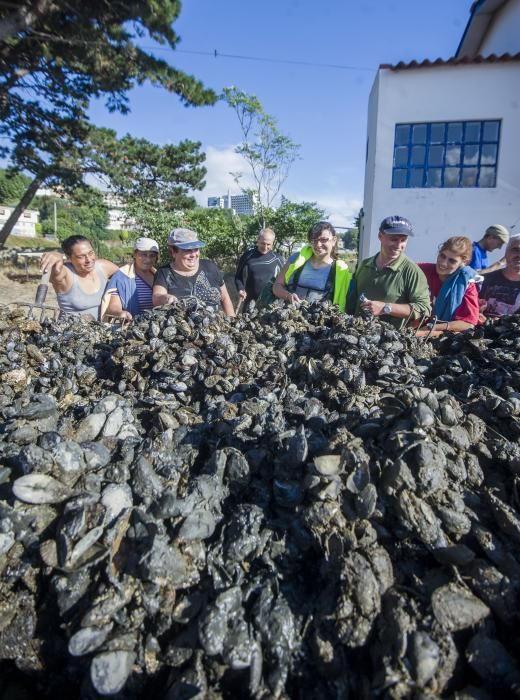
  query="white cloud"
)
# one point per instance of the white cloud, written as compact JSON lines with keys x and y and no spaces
{"x":341,"y":207}
{"x":220,"y":162}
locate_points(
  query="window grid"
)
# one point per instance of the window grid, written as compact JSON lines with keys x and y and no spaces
{"x":446,"y":154}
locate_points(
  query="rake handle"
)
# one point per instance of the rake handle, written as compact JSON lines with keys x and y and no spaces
{"x":41,"y":291}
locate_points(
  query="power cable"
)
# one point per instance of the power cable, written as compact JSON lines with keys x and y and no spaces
{"x":214,"y":54}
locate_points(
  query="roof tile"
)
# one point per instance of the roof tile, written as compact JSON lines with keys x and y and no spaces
{"x":454,"y":61}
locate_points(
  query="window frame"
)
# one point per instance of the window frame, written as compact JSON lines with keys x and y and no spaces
{"x":419,"y":173}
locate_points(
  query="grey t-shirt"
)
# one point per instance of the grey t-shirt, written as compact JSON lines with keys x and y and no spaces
{"x":312,"y":282}
{"x":204,"y":285}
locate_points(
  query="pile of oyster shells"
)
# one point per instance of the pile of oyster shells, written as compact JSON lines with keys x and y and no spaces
{"x":290,"y":504}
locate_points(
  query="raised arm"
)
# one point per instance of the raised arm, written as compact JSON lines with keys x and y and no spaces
{"x":59,"y":275}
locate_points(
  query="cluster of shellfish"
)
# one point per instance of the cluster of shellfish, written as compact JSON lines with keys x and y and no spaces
{"x":291,"y":504}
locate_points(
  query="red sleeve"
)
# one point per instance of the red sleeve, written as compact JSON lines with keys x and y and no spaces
{"x":469,"y":309}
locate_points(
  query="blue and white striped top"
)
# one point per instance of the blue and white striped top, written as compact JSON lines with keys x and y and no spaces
{"x":144,"y":293}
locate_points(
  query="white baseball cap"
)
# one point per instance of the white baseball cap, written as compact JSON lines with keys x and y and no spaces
{"x":146,"y":245}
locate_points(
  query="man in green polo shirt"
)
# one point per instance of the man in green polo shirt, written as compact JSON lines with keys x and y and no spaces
{"x":389,"y":284}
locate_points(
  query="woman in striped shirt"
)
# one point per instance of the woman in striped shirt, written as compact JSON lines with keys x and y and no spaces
{"x":129,"y":292}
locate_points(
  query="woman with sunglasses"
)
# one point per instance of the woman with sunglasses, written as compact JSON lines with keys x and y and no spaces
{"x":189,"y":277}
{"x":314,"y":273}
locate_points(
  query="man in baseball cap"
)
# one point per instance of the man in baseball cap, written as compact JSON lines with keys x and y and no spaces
{"x":494,"y":238}
{"x":389,"y":284}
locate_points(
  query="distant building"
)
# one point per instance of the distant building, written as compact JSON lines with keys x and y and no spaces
{"x":444,"y":136}
{"x":241,"y":203}
{"x":26,"y":224}
{"x":118,"y":220}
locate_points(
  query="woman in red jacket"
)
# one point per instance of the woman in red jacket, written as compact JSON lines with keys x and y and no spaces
{"x":453,"y":289}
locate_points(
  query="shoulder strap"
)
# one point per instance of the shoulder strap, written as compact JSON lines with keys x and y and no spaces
{"x":329,"y":286}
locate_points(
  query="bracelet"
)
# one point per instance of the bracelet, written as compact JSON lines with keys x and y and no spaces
{"x":447,"y":325}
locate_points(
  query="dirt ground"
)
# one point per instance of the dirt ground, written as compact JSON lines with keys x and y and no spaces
{"x":14,"y":287}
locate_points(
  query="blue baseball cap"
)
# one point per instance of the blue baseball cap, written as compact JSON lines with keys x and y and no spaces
{"x":185,"y":239}
{"x":396,"y":226}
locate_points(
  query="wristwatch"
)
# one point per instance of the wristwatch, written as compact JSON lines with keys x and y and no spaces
{"x":387,"y":309}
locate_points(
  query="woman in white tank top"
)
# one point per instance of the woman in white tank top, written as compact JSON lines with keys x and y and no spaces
{"x":80,"y":281}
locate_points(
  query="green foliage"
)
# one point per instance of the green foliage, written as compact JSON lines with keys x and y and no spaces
{"x":30,"y":242}
{"x":56,"y":56}
{"x":12,"y":187}
{"x":223,"y":232}
{"x":143,"y":174}
{"x":351,"y":237}
{"x":291,"y":223}
{"x":268,"y":152}
{"x":124,"y":236}
{"x":85,"y":214}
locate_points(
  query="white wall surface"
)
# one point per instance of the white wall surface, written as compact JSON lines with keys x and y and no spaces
{"x":503,"y":36}
{"x":447,"y":93}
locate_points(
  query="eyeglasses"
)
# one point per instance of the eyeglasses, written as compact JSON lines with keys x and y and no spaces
{"x":321,"y":240}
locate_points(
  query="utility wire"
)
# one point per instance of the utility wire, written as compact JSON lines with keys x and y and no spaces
{"x":214,"y":54}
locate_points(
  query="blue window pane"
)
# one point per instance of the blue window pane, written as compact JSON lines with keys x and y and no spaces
{"x":419,"y":133}
{"x":446,"y":154}
{"x":418,"y":155}
{"x":472,"y":132}
{"x":434,"y":177}
{"x":402,"y":134}
{"x":471,"y":154}
{"x":416,"y":177}
{"x":436,"y":155}
{"x":490,"y":131}
{"x":399,"y":178}
{"x":454,"y":132}
{"x":437,"y":133}
{"x":488,"y":154}
{"x":452,"y":155}
{"x":400,"y":156}
{"x":469,"y":177}
{"x":487,"y":177}
{"x":451,"y":177}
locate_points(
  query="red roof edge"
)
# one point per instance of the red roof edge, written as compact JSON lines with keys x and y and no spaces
{"x":426,"y":63}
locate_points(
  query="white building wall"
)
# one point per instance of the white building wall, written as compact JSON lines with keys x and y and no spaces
{"x":446,"y":93}
{"x":26,"y":224}
{"x":370,"y":168}
{"x":503,"y":34}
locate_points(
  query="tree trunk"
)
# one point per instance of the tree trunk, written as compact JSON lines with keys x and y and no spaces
{"x":22,"y":204}
{"x":24,"y":18}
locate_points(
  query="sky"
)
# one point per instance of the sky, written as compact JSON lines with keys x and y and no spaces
{"x":321,"y":108}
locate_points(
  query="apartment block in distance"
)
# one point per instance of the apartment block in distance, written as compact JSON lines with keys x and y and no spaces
{"x":241,"y":203}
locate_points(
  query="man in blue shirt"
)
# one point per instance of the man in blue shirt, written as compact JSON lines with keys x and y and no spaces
{"x":495,"y":237}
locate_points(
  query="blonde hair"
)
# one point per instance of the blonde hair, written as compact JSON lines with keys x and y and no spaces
{"x":460,"y":245}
